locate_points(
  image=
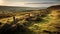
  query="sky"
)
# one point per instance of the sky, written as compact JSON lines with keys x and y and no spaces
{"x":29,"y":3}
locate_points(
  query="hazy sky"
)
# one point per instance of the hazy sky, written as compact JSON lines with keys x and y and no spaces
{"x":30,"y":3}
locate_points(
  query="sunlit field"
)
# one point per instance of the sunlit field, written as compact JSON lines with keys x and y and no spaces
{"x":41,"y":21}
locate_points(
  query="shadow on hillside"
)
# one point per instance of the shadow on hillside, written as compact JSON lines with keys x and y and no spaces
{"x":17,"y":29}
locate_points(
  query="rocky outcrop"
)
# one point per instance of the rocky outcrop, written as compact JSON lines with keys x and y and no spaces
{"x":54,"y":7}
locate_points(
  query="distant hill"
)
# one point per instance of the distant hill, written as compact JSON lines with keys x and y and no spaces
{"x":54,"y":7}
{"x":12,"y":8}
{"x":16,"y":8}
{"x":8,"y":11}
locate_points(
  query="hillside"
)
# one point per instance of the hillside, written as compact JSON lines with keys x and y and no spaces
{"x":43,"y":21}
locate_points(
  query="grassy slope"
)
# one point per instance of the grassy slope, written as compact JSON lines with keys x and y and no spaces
{"x":49,"y":23}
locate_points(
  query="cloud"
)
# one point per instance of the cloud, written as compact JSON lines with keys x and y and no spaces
{"x":44,"y":3}
{"x":14,"y":3}
{"x":1,"y":2}
{"x":28,"y":3}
